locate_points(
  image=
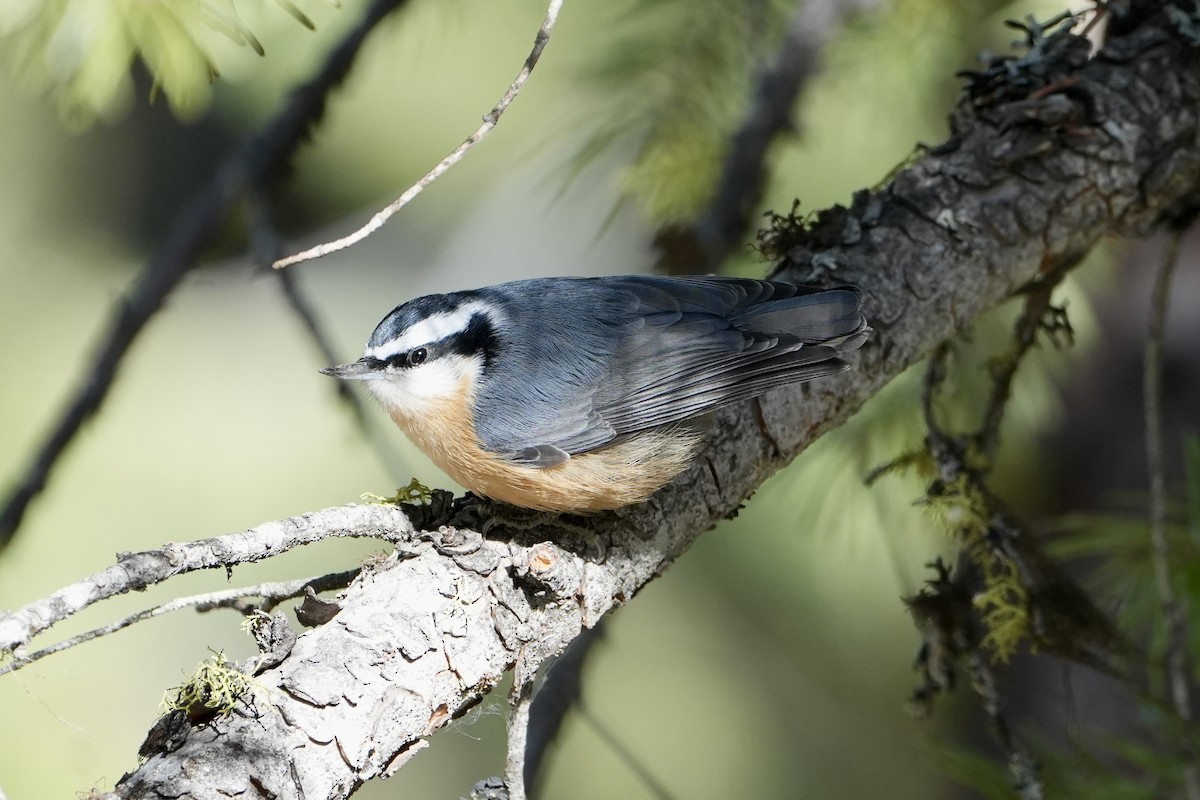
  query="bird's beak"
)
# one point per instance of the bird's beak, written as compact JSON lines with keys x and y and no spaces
{"x":361,"y":370}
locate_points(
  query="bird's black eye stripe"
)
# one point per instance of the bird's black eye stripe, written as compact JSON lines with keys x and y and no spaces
{"x":478,"y":338}
{"x":409,"y":358}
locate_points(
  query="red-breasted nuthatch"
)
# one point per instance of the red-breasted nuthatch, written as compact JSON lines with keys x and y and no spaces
{"x":573,"y":394}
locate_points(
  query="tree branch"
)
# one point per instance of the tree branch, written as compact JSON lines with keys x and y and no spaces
{"x":1174,"y":608}
{"x":561,"y":691}
{"x":490,"y":120}
{"x":251,"y":165}
{"x":1056,"y":154}
{"x":138,"y":571}
{"x":271,"y":594}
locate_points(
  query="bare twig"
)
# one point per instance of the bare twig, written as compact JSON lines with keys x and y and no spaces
{"x":1004,"y":370}
{"x":561,"y":691}
{"x":931,"y":383}
{"x":257,"y":161}
{"x":307,"y":314}
{"x":490,"y":120}
{"x":1173,"y":608}
{"x":628,"y":757}
{"x":519,"y":702}
{"x":267,"y":245}
{"x":1021,"y":766}
{"x":368,"y":425}
{"x":136,"y":571}
{"x":271,"y":594}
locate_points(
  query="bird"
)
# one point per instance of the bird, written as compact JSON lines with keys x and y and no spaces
{"x":583,"y":394}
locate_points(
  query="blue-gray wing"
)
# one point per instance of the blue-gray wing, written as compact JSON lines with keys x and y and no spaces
{"x":625,"y":354}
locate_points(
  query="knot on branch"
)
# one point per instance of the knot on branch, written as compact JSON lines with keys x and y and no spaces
{"x":550,"y":570}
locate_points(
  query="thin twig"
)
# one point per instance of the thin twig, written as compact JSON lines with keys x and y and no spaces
{"x":368,"y":425}
{"x":1004,"y":370}
{"x":561,"y":691}
{"x":255,"y":162}
{"x":626,"y":755}
{"x":963,"y":632}
{"x":897,"y":464}
{"x":519,"y":702}
{"x":304,"y":310}
{"x":1173,"y":609}
{"x":1021,"y":766}
{"x":931,"y":382}
{"x":137,"y":571}
{"x":490,"y":120}
{"x":946,"y":451}
{"x":271,"y":594}
{"x":1060,"y":617}
{"x":266,"y":246}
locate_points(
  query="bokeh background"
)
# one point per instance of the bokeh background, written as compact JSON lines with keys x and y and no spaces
{"x":772,"y":661}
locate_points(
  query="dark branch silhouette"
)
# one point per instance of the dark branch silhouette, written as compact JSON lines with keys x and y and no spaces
{"x":726,"y":223}
{"x":251,"y":166}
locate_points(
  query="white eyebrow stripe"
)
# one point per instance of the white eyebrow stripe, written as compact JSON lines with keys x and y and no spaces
{"x":432,"y":329}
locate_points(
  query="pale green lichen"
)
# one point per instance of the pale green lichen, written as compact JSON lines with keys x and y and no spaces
{"x":1003,"y":602}
{"x":414,"y":492}
{"x":213,"y":689}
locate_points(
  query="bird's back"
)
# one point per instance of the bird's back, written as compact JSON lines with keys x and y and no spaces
{"x":609,"y":357}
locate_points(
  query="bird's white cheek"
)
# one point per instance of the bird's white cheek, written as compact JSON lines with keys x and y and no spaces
{"x":419,"y":390}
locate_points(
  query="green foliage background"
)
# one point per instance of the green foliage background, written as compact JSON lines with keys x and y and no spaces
{"x":772,"y":661}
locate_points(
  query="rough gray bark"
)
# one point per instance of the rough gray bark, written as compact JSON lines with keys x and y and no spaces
{"x":1029,"y":185}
